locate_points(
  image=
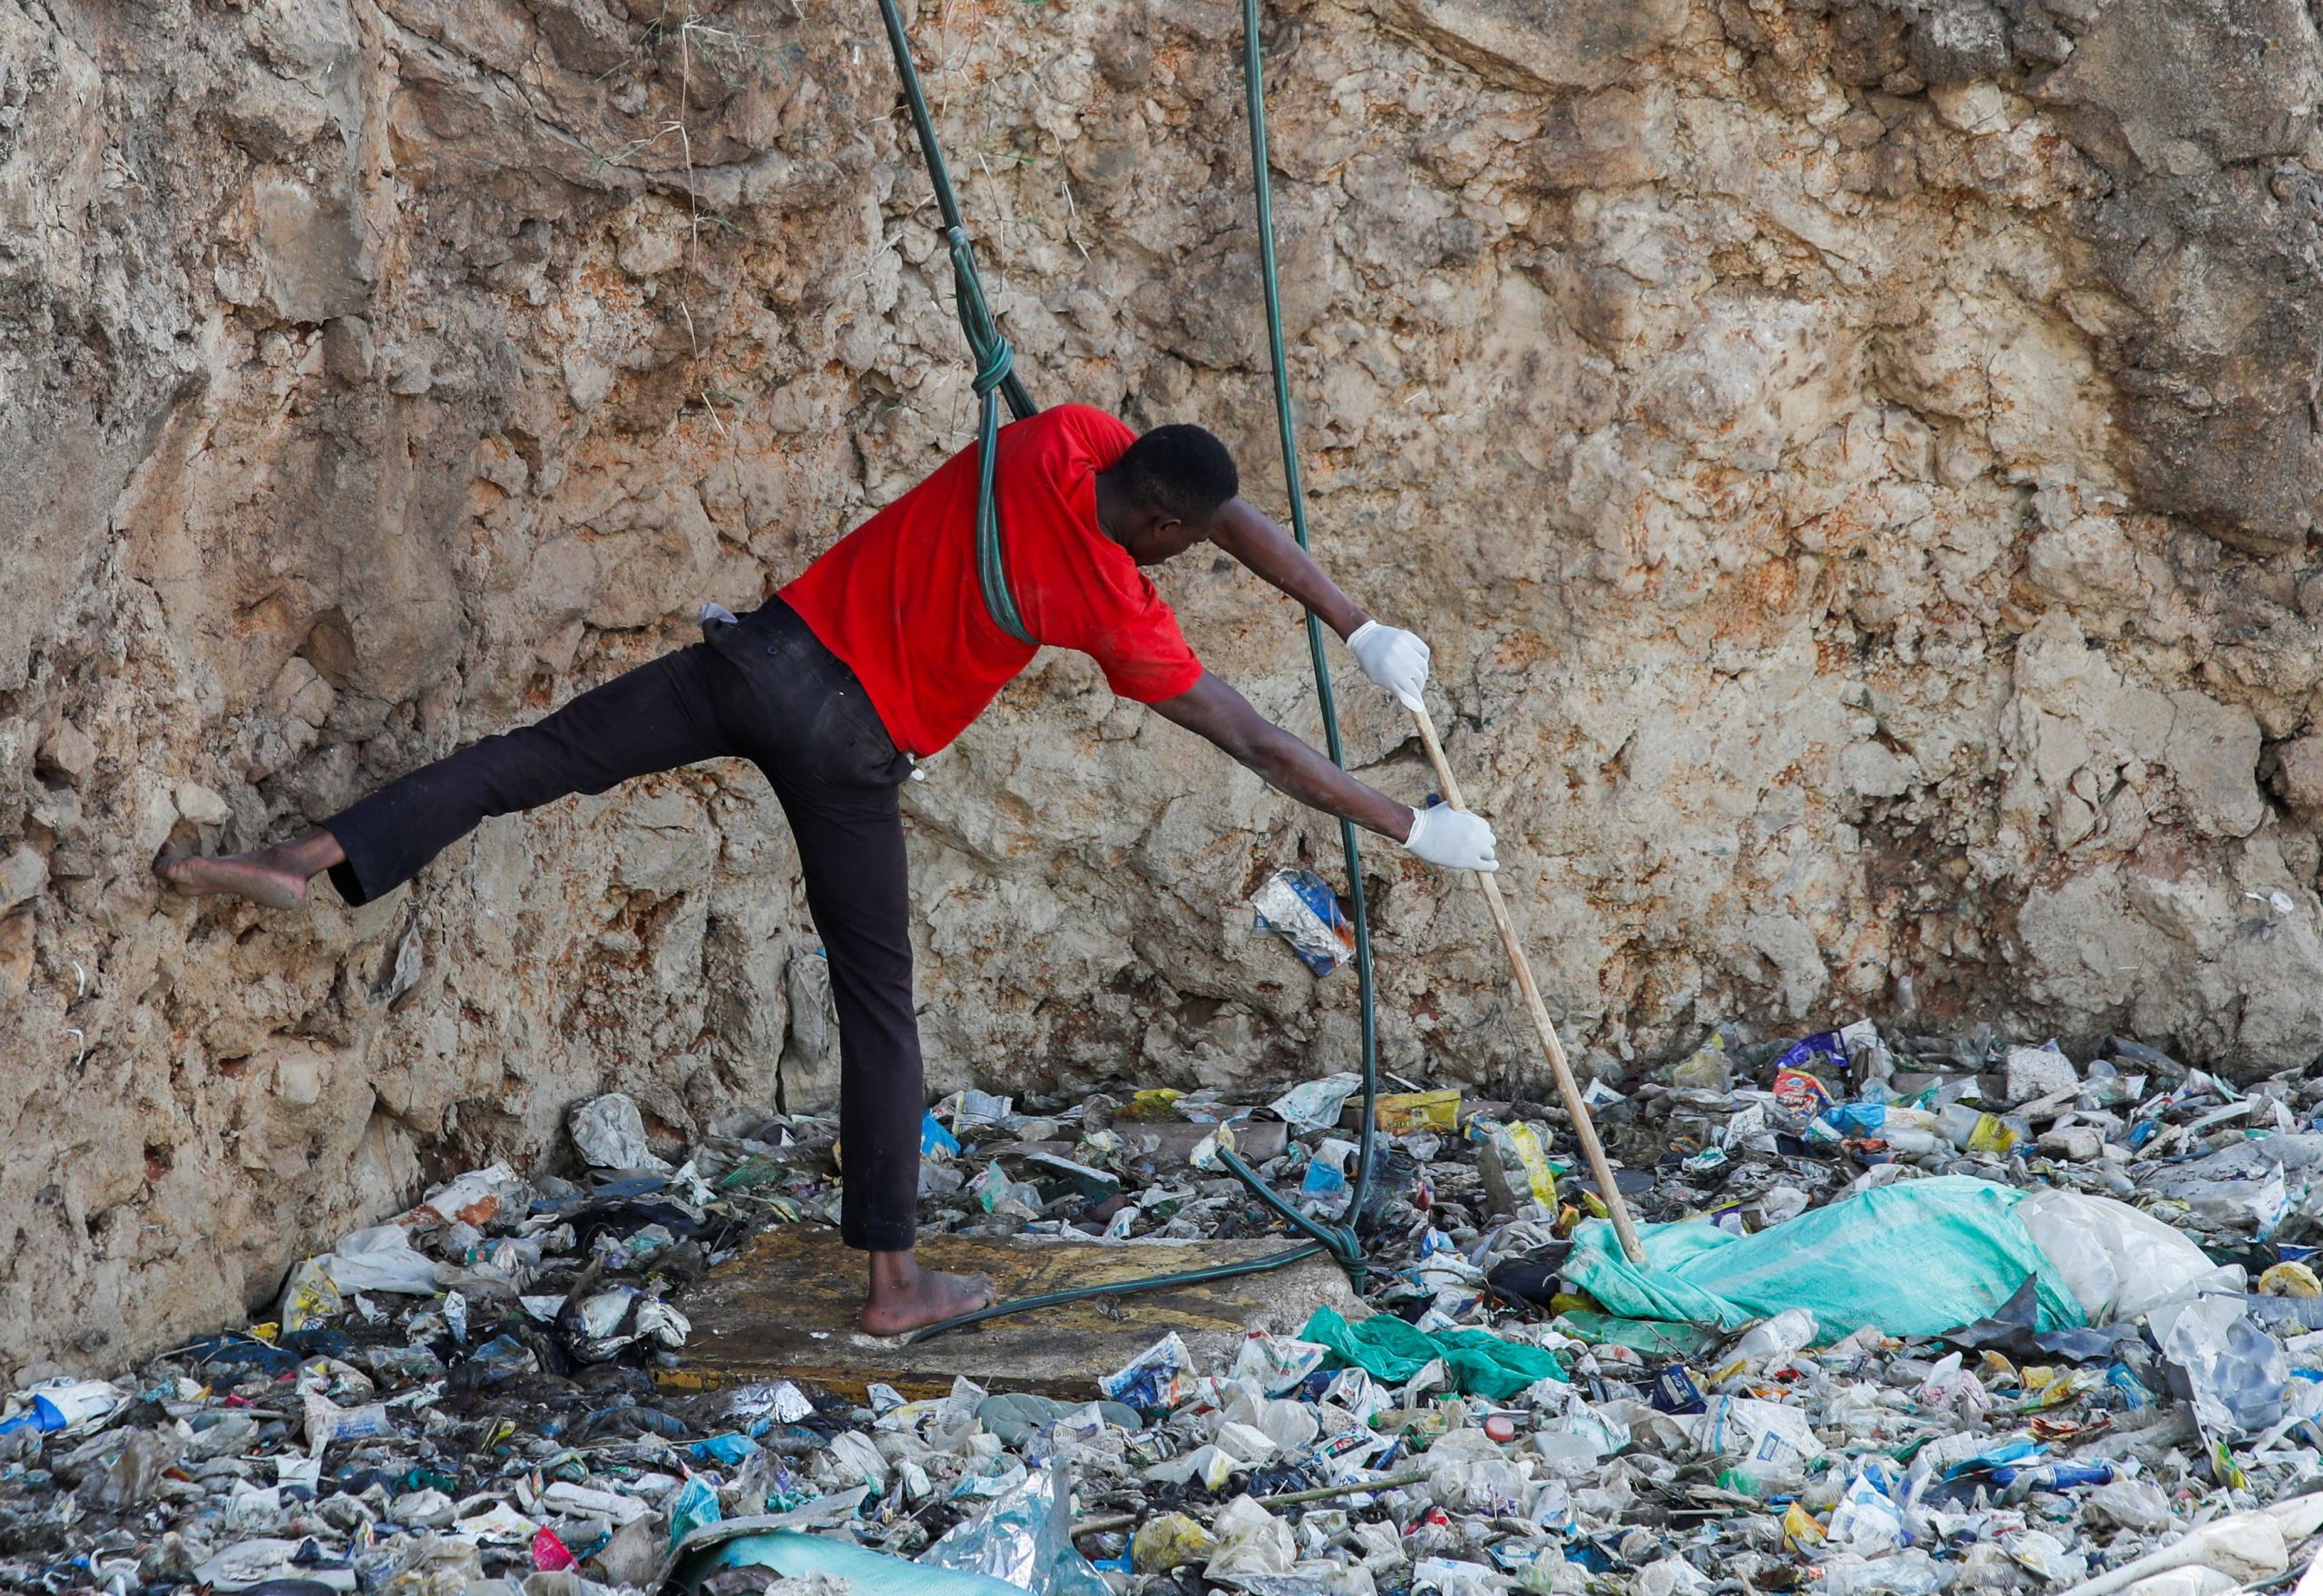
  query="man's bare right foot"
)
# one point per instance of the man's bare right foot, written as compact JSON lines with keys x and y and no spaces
{"x":906,"y":1297}
{"x":259,"y":876}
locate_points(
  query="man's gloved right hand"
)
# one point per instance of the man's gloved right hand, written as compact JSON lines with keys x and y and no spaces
{"x":1454,"y":838}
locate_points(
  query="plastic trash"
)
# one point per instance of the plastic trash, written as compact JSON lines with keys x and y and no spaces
{"x":1315,"y":1105}
{"x":1403,"y":1113}
{"x":1516,"y":1168}
{"x":2222,"y":1360}
{"x":248,"y":1565}
{"x":1017,"y":1416}
{"x":1867,"y":1520}
{"x":68,"y":1406}
{"x":1910,"y":1572}
{"x":1023,"y":1537}
{"x":595,"y":1328}
{"x":1777,"y":1340}
{"x":1252,"y":1543}
{"x":380,"y":1259}
{"x":1479,"y":1362}
{"x":1299,"y":906}
{"x":609,"y":1131}
{"x":1168,"y":1540}
{"x":2243,"y":1546}
{"x":1155,"y":1380}
{"x":935,"y":1140}
{"x":550,"y":1553}
{"x":1909,"y":1259}
{"x":1767,"y":1441}
{"x":1892,"y":1390}
{"x":1278,"y":1364}
{"x":2118,"y":1263}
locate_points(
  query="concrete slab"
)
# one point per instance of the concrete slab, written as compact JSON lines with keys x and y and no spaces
{"x":786,"y":1309}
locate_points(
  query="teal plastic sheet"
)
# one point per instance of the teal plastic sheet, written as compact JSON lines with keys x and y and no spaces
{"x":1913,"y":1259}
{"x":1387,"y":1348}
{"x":795,"y":1554}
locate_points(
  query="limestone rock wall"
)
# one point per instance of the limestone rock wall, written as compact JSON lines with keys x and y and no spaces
{"x":1854,"y":462}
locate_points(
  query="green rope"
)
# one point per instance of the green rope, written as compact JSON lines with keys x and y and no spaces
{"x":996,"y":360}
{"x":1254,"y":98}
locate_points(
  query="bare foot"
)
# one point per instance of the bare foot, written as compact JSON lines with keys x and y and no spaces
{"x":260,"y":875}
{"x":906,"y":1297}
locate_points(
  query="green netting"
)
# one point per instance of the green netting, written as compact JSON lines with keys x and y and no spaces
{"x":1913,"y":1259}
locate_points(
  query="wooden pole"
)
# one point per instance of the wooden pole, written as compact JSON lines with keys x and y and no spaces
{"x":1584,"y":1130}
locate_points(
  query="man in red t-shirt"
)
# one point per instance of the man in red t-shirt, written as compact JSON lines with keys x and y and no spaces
{"x":880,"y":654}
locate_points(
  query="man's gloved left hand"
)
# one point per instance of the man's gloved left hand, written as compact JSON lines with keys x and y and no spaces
{"x":1396,"y":661}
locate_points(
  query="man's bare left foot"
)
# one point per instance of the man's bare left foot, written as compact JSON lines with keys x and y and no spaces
{"x":909,"y":1297}
{"x":259,"y":876}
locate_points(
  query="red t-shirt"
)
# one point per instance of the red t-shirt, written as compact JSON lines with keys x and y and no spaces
{"x":899,"y":602}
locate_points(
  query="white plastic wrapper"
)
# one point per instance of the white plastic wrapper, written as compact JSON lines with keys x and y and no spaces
{"x":380,"y":1259}
{"x":328,"y":1422}
{"x":473,"y":1199}
{"x":1312,"y":1105}
{"x":610,"y":1133}
{"x":253,"y":1562}
{"x":73,"y":1407}
{"x":1867,"y":1519}
{"x":1250,"y":1542}
{"x":858,"y":1458}
{"x":1762,"y":1436}
{"x":1279,"y":1364}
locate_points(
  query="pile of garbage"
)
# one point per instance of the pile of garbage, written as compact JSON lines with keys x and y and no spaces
{"x":1917,"y":1316}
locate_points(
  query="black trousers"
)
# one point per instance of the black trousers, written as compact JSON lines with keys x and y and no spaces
{"x":764,"y":690}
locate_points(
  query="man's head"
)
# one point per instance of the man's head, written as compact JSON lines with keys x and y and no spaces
{"x":1159,"y":497}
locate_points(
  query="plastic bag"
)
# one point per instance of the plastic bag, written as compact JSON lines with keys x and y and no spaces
{"x":1026,"y":1538}
{"x":1765,"y":1438}
{"x":1914,"y":1258}
{"x":598,"y":1326}
{"x":609,"y":1133}
{"x":2229,"y":1367}
{"x":1168,"y":1540}
{"x":1277,"y":1364}
{"x":1314,"y":1105}
{"x":69,"y":1407}
{"x":472,"y":1199}
{"x":2117,"y":1262}
{"x":1778,"y":1340}
{"x":1250,"y":1542}
{"x":380,"y":1259}
{"x":1299,"y":906}
{"x":1515,"y":1155}
{"x":1867,"y":1519}
{"x":1156,"y":1379}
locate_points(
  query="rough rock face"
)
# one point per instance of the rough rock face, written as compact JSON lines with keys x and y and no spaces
{"x":1856,"y":464}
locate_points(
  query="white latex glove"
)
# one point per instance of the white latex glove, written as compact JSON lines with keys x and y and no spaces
{"x":1396,"y":661}
{"x":1454,"y":838}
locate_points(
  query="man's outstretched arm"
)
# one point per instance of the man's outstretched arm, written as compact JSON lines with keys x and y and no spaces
{"x":1451,"y":838}
{"x":1396,"y":659}
{"x":1275,"y":558}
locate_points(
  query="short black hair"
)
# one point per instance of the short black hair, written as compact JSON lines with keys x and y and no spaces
{"x":1182,"y":471}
